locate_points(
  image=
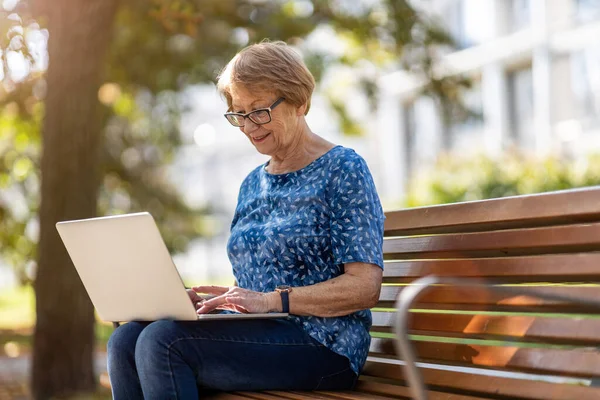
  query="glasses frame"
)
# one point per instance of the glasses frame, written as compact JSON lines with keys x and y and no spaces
{"x":248,"y":115}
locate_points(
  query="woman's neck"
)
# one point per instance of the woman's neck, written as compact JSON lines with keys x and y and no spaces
{"x":308,"y":148}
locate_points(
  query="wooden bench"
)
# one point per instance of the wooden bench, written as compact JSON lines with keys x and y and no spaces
{"x":486,"y":335}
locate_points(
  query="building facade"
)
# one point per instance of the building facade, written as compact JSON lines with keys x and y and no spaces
{"x":535,"y":68}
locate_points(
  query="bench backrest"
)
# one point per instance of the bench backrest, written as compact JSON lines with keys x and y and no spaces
{"x":480,"y":343}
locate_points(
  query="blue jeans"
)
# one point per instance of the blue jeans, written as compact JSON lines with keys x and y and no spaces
{"x":179,"y":359}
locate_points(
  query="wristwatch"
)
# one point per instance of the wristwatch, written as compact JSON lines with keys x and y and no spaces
{"x":284,"y":292}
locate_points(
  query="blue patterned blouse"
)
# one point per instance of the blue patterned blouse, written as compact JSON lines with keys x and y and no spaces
{"x":299,"y":229}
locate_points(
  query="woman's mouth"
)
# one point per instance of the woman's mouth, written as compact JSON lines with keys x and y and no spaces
{"x":260,"y":139}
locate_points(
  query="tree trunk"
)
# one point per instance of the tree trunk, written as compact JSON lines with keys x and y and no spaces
{"x":64,"y":332}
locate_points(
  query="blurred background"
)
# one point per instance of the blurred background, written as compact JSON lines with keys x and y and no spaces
{"x":109,"y":107}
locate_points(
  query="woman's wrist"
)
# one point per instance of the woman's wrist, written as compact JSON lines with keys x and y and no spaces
{"x":274,"y":302}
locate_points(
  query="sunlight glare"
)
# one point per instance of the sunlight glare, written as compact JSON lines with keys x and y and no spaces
{"x":205,"y":135}
{"x":18,"y":66}
{"x":109,"y":93}
{"x":9,"y":5}
{"x":12,"y":349}
{"x":240,"y":36}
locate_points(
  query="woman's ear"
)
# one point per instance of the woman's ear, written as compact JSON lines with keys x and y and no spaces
{"x":300,"y":111}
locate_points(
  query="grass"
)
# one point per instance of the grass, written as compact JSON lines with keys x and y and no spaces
{"x":17,"y":308}
{"x":17,"y":319}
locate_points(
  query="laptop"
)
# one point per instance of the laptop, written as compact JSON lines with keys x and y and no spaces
{"x":128,"y":272}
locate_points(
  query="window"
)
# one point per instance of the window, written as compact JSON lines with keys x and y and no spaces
{"x":421,"y":129}
{"x":587,"y":10}
{"x":520,"y":14}
{"x":520,"y":88}
{"x":410,"y":130}
{"x":468,"y":21}
{"x":585,"y":79}
{"x":467,"y":130}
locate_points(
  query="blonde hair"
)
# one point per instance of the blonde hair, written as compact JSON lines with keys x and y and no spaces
{"x":271,"y":67}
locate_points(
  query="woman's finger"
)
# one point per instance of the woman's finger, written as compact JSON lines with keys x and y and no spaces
{"x":211,"y":289}
{"x":198,"y":304}
{"x":208,"y":305}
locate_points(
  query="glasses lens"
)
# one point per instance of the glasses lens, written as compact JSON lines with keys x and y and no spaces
{"x":260,"y":117}
{"x":235,"y":120}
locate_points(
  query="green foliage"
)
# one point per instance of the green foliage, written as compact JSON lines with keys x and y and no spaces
{"x":347,"y":123}
{"x":19,"y":187}
{"x":455,"y":180}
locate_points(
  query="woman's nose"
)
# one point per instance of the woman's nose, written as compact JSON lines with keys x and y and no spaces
{"x":249,"y":126}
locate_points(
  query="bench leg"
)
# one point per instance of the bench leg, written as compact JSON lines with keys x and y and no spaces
{"x":403,"y":345}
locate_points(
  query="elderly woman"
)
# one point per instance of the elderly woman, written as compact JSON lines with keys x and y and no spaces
{"x":306,"y":238}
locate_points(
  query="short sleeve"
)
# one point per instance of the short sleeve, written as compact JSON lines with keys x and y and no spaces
{"x":357,"y":216}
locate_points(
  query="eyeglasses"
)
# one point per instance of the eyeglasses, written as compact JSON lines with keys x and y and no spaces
{"x":259,"y":117}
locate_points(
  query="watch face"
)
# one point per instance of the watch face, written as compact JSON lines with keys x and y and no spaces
{"x":283,"y":288}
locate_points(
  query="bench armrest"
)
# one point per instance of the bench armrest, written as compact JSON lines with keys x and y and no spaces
{"x":409,"y":295}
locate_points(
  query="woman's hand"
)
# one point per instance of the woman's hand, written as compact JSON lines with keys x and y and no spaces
{"x":236,"y":299}
{"x":196,"y":299}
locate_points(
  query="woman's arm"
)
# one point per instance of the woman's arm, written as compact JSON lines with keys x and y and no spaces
{"x":356,"y":289}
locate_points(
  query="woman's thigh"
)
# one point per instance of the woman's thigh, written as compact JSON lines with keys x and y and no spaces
{"x":121,"y":344}
{"x":247,"y":354}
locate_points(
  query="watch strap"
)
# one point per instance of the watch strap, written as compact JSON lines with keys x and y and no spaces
{"x":285,"y":301}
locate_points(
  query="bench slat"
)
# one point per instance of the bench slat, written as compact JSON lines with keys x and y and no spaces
{"x":402,"y":392}
{"x":475,"y":384}
{"x":326,"y":395}
{"x":579,"y":205}
{"x":353,"y":395}
{"x":500,"y":308}
{"x":277,"y":394}
{"x":577,"y":331}
{"x":546,"y":268}
{"x":257,"y":395}
{"x":480,"y":295}
{"x":474,"y":298}
{"x":547,"y":240}
{"x":225,"y":396}
{"x":299,"y":395}
{"x":582,"y":362}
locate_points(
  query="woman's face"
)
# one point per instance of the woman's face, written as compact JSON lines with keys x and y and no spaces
{"x":273,"y":137}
